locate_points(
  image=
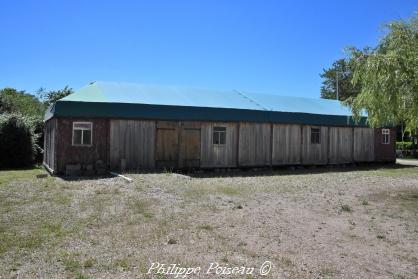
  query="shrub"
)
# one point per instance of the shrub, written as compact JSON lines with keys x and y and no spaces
{"x":404,"y":145}
{"x":17,"y":141}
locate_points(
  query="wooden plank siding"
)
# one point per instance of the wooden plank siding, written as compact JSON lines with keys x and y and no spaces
{"x":314,"y":154}
{"x":147,"y":144}
{"x":363,"y":144}
{"x":167,"y":144}
{"x":189,"y":155}
{"x":340,"y":149}
{"x":286,"y":147}
{"x":215,"y":156}
{"x":254,"y":144}
{"x":134,"y":142}
{"x":49,"y":144}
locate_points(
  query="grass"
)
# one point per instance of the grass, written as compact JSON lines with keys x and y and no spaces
{"x":345,"y":208}
{"x":87,"y":228}
{"x":404,"y":171}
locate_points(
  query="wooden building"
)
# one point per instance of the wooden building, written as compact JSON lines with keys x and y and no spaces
{"x":122,"y":126}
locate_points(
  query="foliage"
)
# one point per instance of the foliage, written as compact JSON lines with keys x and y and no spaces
{"x":17,"y":141}
{"x":30,"y":109}
{"x":346,"y":89}
{"x":51,"y":97}
{"x":13,"y":101}
{"x":388,"y":75}
{"x":404,"y":145}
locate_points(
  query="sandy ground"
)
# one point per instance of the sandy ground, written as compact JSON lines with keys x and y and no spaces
{"x":316,"y":223}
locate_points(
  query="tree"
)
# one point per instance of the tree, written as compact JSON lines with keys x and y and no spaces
{"x":388,"y":75}
{"x":346,"y":89}
{"x":51,"y":97}
{"x":17,"y":141}
{"x":14,"y":101}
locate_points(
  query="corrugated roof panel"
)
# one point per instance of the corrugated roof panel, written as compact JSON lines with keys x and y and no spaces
{"x":136,"y":101}
{"x":299,"y":104}
{"x":119,"y":92}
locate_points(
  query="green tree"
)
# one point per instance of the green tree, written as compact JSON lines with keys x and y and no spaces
{"x":51,"y":97}
{"x":346,"y":88}
{"x":17,"y":141}
{"x":388,"y":75}
{"x":14,"y":101}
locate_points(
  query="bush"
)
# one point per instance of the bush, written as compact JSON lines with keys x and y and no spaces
{"x":404,"y":145}
{"x":17,"y":141}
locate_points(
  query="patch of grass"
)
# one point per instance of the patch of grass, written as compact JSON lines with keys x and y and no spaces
{"x":228,"y":190}
{"x":7,"y":176}
{"x":206,"y":227}
{"x":327,"y":272}
{"x":71,"y":264}
{"x":346,"y":208}
{"x":89,"y":263}
{"x":365,"y":202}
{"x":142,"y":207}
{"x":381,"y":236}
{"x":122,"y":263}
{"x":397,"y":172}
{"x":172,"y":241}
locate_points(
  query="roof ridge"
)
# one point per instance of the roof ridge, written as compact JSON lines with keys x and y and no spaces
{"x":251,"y":100}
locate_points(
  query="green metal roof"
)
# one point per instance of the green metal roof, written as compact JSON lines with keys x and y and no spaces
{"x":129,"y":100}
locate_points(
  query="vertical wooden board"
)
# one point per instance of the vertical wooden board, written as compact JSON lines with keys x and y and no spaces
{"x":340,"y":145}
{"x":218,"y":155}
{"x":167,"y":144}
{"x":254,"y":144}
{"x":314,"y":154}
{"x":190,"y":147}
{"x":286,"y":144}
{"x":132,"y":140}
{"x":49,"y":144}
{"x":363,"y":144}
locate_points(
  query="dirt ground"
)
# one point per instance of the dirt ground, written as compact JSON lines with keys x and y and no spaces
{"x":314,"y":223}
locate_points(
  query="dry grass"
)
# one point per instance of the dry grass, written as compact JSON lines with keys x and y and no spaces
{"x":355,"y":223}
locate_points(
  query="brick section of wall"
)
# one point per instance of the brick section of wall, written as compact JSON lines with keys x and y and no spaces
{"x":66,"y":153}
{"x":385,"y":152}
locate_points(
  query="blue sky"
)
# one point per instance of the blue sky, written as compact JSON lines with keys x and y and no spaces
{"x":275,"y":47}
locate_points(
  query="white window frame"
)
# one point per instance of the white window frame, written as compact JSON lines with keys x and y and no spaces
{"x":82,"y":134}
{"x":213,"y":131}
{"x":385,"y":135}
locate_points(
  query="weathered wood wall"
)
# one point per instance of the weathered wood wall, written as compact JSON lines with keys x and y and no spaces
{"x":190,"y":145}
{"x":286,"y":144}
{"x":314,"y":153}
{"x":167,"y":144}
{"x":340,"y":149}
{"x":143,"y":144}
{"x":218,"y":155}
{"x":49,"y":144}
{"x":254,"y":144}
{"x":363,"y":144}
{"x":134,"y":142}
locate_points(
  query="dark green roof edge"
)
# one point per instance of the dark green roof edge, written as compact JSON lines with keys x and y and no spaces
{"x":182,"y":113}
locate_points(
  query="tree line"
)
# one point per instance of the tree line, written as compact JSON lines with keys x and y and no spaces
{"x":22,"y":126}
{"x":381,"y":80}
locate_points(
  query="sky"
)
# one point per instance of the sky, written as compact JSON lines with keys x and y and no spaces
{"x":277,"y":47}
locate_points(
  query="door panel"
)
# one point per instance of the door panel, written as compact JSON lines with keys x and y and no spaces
{"x":190,"y":148}
{"x":167,"y":154}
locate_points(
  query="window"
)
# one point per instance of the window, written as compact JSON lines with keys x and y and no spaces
{"x":385,"y":136}
{"x":219,"y":135}
{"x":315,"y":135}
{"x":82,"y":133}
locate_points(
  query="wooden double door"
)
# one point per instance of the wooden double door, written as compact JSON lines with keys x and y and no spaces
{"x":177,"y":144}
